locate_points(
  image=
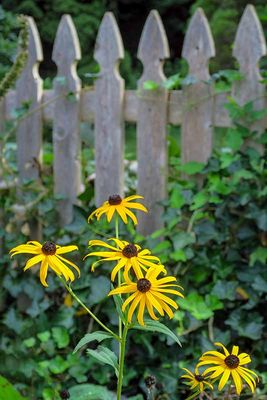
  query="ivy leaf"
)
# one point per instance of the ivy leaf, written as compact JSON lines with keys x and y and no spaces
{"x":91,"y":392}
{"x":61,"y":336}
{"x":90,"y":337}
{"x":260,"y":254}
{"x":105,"y":356}
{"x":155,"y":326}
{"x":192,"y":167}
{"x":150,"y":85}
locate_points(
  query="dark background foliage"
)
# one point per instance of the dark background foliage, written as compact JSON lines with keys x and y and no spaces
{"x":215,"y":239}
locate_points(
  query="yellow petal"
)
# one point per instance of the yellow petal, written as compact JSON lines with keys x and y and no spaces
{"x":33,"y":261}
{"x":133,"y":307}
{"x":135,"y":206}
{"x":129,"y":300}
{"x":115,"y":270}
{"x":215,"y":353}
{"x":122,"y":214}
{"x":136,"y":268}
{"x":237,"y":381}
{"x":123,"y":289}
{"x":110,"y":213}
{"x":140,"y":315}
{"x":150,"y":310}
{"x":224,"y":379}
{"x":133,"y":197}
{"x":248,"y":379}
{"x":155,"y":303}
{"x":66,"y":249}
{"x":235,"y":350}
{"x":131,"y":215}
{"x":43,"y":272}
{"x":165,"y":299}
{"x":70,"y":263}
{"x":35,"y":243}
{"x":224,"y":348}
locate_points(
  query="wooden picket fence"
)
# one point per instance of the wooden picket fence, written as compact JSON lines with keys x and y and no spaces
{"x":196,"y":107}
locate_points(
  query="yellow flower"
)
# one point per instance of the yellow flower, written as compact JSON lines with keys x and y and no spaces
{"x":196,"y":381}
{"x":229,"y":366}
{"x":121,"y":206}
{"x":128,"y":256}
{"x":49,"y":255}
{"x":149,"y":292}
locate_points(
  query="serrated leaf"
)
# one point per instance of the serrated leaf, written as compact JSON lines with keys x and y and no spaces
{"x":156,"y":326}
{"x":90,"y":337}
{"x":91,"y":392}
{"x":105,"y":356}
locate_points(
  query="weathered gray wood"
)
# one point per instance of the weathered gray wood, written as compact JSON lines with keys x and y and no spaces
{"x":198,"y":101}
{"x":66,"y":138}
{"x":109,"y":125}
{"x":2,"y":123}
{"x":29,"y":89}
{"x":249,"y":48}
{"x":151,"y":124}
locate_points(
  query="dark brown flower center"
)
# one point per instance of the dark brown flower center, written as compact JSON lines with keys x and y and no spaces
{"x":129,"y":251}
{"x":49,"y":248}
{"x":143,"y":285}
{"x":199,"y":378}
{"x":232,"y":361}
{"x":115,"y":199}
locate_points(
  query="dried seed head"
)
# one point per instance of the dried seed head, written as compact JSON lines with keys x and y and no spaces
{"x":150,"y":381}
{"x":199,"y":378}
{"x":143,"y":285}
{"x":49,"y":248}
{"x":129,"y":251}
{"x":114,"y":200}
{"x":64,"y":394}
{"x":232,"y":361}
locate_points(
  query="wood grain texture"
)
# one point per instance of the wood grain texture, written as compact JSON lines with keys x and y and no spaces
{"x":109,"y":123}
{"x":198,"y":101}
{"x":29,"y":88}
{"x":249,"y":48}
{"x":151,"y":124}
{"x":66,"y":136}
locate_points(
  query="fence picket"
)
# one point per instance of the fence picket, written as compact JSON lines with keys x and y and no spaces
{"x":109,"y":126}
{"x":249,"y":48}
{"x":66,"y":137}
{"x":29,"y":88}
{"x":198,"y":99}
{"x":152,"y":124}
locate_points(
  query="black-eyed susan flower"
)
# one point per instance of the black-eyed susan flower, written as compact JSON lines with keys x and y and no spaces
{"x":115,"y":204}
{"x":127,"y":255}
{"x":149,"y":293}
{"x":229,"y":366}
{"x":196,"y":381}
{"x":49,"y":255}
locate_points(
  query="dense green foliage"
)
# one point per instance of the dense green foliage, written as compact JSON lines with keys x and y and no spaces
{"x":215,"y":241}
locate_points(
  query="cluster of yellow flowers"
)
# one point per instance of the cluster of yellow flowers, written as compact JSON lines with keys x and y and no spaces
{"x":146,"y":289}
{"x":224,"y":366}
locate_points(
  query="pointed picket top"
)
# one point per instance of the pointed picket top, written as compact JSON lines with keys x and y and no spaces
{"x":153,"y":47}
{"x":249,"y":44}
{"x":198,"y":45}
{"x":66,"y":49}
{"x":109,"y":47}
{"x":35,"y":54}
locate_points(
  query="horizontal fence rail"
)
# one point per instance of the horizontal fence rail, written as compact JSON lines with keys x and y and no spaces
{"x":197,"y":108}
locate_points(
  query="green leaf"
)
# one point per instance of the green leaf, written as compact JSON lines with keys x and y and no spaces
{"x":61,"y":336}
{"x":198,"y":307}
{"x":29,"y":342}
{"x":90,"y":337}
{"x":260,"y":254}
{"x":7,"y":391}
{"x":192,"y":167}
{"x":233,"y":139}
{"x":90,"y":392}
{"x":150,"y":85}
{"x":177,"y":199}
{"x":156,"y":326}
{"x":200,"y":199}
{"x":44,"y":336}
{"x":173,"y":82}
{"x":105,"y":356}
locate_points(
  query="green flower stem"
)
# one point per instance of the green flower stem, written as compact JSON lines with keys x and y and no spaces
{"x":121,"y":360}
{"x":119,"y":272}
{"x":69,"y":289}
